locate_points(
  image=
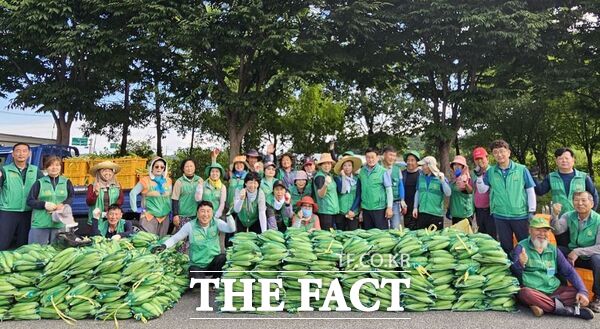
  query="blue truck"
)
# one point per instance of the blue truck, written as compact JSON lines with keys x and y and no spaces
{"x":79,"y":206}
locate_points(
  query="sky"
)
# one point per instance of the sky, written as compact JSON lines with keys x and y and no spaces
{"x":29,"y":123}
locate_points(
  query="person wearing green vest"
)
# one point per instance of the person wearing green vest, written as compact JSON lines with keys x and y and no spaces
{"x":203,"y":235}
{"x":565,"y":181}
{"x":348,"y":189}
{"x":306,"y":217}
{"x":300,"y":188}
{"x":582,"y":225}
{"x":376,"y":195}
{"x":156,"y":191}
{"x":48,"y":194}
{"x":239,"y":170}
{"x":266,"y":184}
{"x":536,"y":263}
{"x":432,"y":187}
{"x":184,"y":202}
{"x":16,"y":180}
{"x":325,"y":191}
{"x":105,"y":190}
{"x":286,"y":172}
{"x":113,"y":226}
{"x":250,"y":206}
{"x":213,"y":189}
{"x":279,"y":215}
{"x":512,"y":195}
{"x":389,"y":163}
{"x":461,"y":198}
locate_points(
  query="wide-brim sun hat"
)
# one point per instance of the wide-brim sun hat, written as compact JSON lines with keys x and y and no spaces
{"x":356,"y":163}
{"x":105,"y":165}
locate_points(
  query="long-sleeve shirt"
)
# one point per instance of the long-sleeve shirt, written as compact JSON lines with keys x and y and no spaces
{"x":544,"y":187}
{"x":92,"y":197}
{"x":343,"y":187}
{"x":32,"y":199}
{"x":288,"y":212}
{"x":262,"y":206}
{"x":446,"y":189}
{"x":564,"y":268}
{"x":561,"y":226}
{"x":137,"y":189}
{"x":400,"y":183}
{"x":410,"y":187}
{"x":187,"y":230}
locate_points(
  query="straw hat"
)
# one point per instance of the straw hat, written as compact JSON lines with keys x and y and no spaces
{"x":356,"y":163}
{"x":240,"y":158}
{"x":105,"y":165}
{"x":325,"y":157}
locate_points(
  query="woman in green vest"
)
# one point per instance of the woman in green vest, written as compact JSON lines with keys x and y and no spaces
{"x":348,"y":189}
{"x":325,"y":191}
{"x":266,"y":184}
{"x":214,"y":190}
{"x":48,"y":194}
{"x":461,"y":199}
{"x":156,"y":198}
{"x":239,"y":170}
{"x":300,"y":188}
{"x":307,"y":217}
{"x":203,"y":236}
{"x":105,"y":190}
{"x":432,"y":186}
{"x":280,"y":214}
{"x":183,"y":198}
{"x":250,"y":206}
{"x":113,"y":226}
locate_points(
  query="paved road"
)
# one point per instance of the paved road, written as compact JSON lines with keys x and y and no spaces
{"x":182,"y":317}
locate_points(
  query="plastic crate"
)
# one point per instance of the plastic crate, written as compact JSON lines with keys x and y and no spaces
{"x":587,"y":276}
{"x":130,"y":165}
{"x":75,"y":167}
{"x":80,"y":180}
{"x":127,"y":181}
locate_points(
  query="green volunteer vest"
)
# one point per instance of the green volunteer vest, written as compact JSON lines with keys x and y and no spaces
{"x":373,"y":195}
{"x":540,"y":271}
{"x":431,"y":198}
{"x":113,"y":196}
{"x":507,"y":196}
{"x":396,"y":180}
{"x":40,"y":218}
{"x":103,"y":227}
{"x":248,"y":215}
{"x":187,"y":196}
{"x":267,"y":188}
{"x":559,"y":194}
{"x":585,"y":237}
{"x":310,"y":224}
{"x":347,"y":199}
{"x":13,"y":195}
{"x":204,"y":245}
{"x":461,"y":204}
{"x":296,"y":196}
{"x":235,"y":184}
{"x":212,"y":195}
{"x":328,"y":204}
{"x":159,"y":205}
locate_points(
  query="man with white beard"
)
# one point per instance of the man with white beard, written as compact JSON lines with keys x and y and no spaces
{"x":536,"y":263}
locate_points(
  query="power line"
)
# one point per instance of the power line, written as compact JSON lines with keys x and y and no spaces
{"x":26,"y":114}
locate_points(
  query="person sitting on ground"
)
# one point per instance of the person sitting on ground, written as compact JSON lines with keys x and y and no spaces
{"x":307,"y":218}
{"x":583,"y":228}
{"x":113,"y":226}
{"x":536,"y":263}
{"x":205,"y":254}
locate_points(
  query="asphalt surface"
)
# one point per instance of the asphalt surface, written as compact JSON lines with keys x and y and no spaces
{"x":184,"y":315}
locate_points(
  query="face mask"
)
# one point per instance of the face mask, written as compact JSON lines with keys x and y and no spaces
{"x":458,"y":172}
{"x":306,"y":213}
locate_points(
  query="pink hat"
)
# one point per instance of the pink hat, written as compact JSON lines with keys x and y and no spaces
{"x":301,"y":175}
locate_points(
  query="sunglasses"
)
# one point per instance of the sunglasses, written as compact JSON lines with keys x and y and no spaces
{"x":159,"y":167}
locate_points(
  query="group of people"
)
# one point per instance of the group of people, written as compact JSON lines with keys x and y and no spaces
{"x":257,"y":194}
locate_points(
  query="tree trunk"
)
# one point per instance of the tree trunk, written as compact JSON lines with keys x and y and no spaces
{"x":63,"y":129}
{"x":456,"y":146}
{"x":192,"y":142}
{"x":235,"y":141}
{"x":589,"y":154}
{"x":236,"y":131}
{"x":125,"y":135}
{"x":158,"y":122}
{"x":444,"y":155}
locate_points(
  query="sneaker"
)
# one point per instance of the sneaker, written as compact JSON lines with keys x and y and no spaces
{"x":537,"y":311}
{"x":595,"y":304}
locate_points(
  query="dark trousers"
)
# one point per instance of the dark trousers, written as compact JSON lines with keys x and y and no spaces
{"x":344,"y":224}
{"x":505,"y":230}
{"x":410,"y":222}
{"x":485,"y":222}
{"x":326,"y":221}
{"x":591,"y":263}
{"x":216,"y":265}
{"x":425,"y":220}
{"x":241,"y":228}
{"x":375,"y":219}
{"x":14,"y":226}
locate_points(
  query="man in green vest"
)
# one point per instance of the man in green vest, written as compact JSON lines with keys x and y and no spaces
{"x":536,"y":263}
{"x":376,"y":196}
{"x":512,"y":195}
{"x":113,"y":226}
{"x":205,"y":254}
{"x":563,"y":183}
{"x":325,"y":191}
{"x":16,"y":180}
{"x":393,"y":168}
{"x":582,"y":225}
